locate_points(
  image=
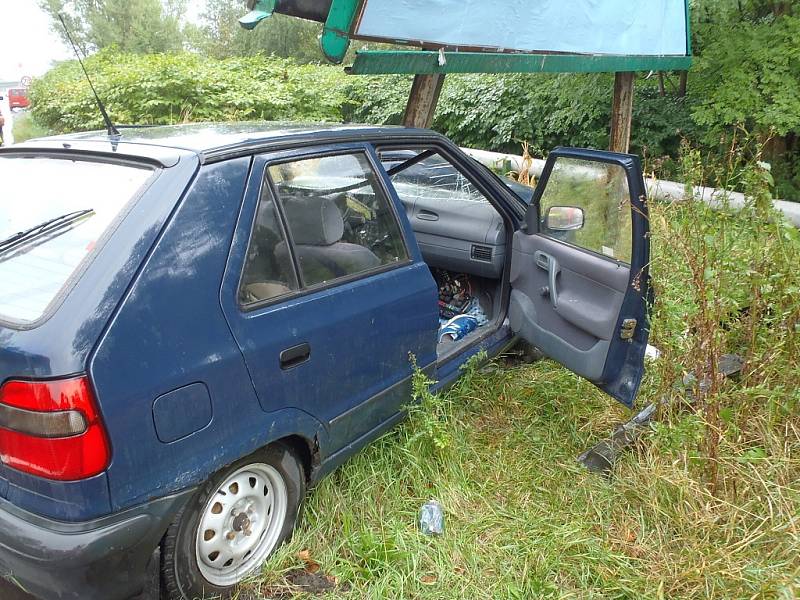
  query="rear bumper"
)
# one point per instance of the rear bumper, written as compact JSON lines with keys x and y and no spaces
{"x":104,"y":559}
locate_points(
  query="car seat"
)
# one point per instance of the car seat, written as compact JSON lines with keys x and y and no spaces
{"x":317,"y":228}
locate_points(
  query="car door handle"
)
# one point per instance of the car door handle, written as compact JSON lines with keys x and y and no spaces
{"x":296,"y":355}
{"x":550,"y":264}
{"x":427,"y":215}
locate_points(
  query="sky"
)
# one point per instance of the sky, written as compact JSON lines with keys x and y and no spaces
{"x":27,"y":45}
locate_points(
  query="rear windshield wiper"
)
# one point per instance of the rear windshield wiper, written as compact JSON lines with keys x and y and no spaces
{"x":47,"y":227}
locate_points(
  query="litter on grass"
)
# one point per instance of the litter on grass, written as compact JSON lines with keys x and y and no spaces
{"x":431,"y":518}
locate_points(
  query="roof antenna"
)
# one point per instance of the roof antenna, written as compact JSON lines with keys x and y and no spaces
{"x":112,"y":131}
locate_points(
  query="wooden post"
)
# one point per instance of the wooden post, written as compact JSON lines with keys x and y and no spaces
{"x":422,"y":101}
{"x":621,"y":112}
{"x":684,"y":76}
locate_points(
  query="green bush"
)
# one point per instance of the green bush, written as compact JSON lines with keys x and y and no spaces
{"x":497,"y":112}
{"x":168,"y":89}
{"x":492,"y":112}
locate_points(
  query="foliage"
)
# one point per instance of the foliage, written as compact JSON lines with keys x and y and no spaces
{"x":499,"y":112}
{"x":219,"y":34}
{"x":26,"y":127}
{"x":746,"y":75}
{"x":430,"y":413}
{"x":733,"y":287}
{"x":749,"y":75}
{"x":166,"y":89}
{"x":129,"y":25}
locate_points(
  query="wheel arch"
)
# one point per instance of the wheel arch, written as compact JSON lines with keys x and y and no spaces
{"x":306,"y":450}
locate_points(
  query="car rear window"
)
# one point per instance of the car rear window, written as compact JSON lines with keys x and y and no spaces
{"x":84,"y":197}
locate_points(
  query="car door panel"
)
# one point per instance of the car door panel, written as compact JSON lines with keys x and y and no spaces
{"x":590,"y":294}
{"x":340,"y":351}
{"x":585,"y":310}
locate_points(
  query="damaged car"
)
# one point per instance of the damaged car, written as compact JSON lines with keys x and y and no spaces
{"x":198,"y":323}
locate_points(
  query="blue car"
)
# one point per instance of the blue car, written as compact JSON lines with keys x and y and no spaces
{"x":198,"y":323}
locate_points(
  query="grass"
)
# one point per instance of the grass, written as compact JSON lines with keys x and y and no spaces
{"x":525,"y":520}
{"x":26,"y":127}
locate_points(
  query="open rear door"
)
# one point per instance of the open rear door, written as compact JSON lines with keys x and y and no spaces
{"x":579,"y":268}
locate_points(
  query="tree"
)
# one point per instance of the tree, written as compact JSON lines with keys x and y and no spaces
{"x":219,"y":34}
{"x":747,"y":74}
{"x":138,"y":26}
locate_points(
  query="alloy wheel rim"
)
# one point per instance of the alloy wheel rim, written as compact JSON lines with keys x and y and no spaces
{"x":241,"y":524}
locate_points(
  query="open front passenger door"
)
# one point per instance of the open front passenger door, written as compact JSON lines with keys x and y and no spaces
{"x":579,"y":268}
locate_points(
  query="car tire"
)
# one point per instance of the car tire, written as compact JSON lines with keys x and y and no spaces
{"x":232,"y":525}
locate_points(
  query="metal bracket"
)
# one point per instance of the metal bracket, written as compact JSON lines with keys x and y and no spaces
{"x":259,"y":10}
{"x":335,"y":39}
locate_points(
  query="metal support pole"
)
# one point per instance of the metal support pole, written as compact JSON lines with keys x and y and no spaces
{"x":621,"y":112}
{"x":422,"y":101}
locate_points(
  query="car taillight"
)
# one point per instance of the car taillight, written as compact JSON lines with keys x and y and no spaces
{"x":52,"y":429}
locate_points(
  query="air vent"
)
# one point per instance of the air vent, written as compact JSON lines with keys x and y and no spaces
{"x":482,"y":253}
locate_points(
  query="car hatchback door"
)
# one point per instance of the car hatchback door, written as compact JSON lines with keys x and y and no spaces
{"x":324,"y":293}
{"x":579,"y":269}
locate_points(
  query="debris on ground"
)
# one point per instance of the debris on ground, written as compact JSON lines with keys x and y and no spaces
{"x":602,"y":457}
{"x":300,"y":581}
{"x":431,"y":518}
{"x":306,"y":580}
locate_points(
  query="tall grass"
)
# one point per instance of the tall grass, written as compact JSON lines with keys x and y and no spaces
{"x":26,"y":127}
{"x":706,"y":506}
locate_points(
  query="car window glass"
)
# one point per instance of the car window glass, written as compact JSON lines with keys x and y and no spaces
{"x":433,"y":178}
{"x":600,"y":190}
{"x":340,"y":221}
{"x":268,"y":271}
{"x":85,"y":196}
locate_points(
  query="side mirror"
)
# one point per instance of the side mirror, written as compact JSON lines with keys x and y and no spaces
{"x":564,"y":218}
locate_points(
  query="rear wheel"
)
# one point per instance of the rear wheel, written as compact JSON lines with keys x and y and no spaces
{"x":232,"y":525}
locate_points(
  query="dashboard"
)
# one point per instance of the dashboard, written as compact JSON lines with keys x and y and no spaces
{"x":455,"y":232}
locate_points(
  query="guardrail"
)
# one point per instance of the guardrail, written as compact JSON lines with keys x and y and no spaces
{"x":657,"y":189}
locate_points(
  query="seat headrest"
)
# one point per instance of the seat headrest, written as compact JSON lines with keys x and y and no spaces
{"x":314,"y":221}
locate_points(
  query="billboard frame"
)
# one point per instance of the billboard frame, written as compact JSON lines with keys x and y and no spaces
{"x":342,"y":23}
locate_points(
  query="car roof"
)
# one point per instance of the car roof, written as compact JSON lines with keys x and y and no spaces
{"x":217,"y":140}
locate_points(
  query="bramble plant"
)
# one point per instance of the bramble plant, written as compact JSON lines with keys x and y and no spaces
{"x":727,"y":283}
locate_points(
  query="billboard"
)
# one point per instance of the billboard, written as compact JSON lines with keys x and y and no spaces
{"x":642,"y":28}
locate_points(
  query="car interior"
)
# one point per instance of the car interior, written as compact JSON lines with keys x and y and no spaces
{"x":462,"y":239}
{"x":341,"y":226}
